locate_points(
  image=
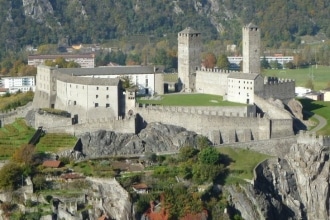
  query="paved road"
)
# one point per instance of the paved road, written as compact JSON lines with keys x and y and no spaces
{"x":322,"y":123}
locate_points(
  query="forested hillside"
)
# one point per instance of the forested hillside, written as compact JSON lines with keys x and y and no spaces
{"x":35,"y":22}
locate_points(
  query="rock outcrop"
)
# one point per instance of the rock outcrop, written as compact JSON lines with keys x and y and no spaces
{"x":294,"y":187}
{"x":156,"y":137}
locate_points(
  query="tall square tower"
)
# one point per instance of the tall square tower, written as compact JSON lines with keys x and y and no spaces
{"x":251,"y":49}
{"x":189,"y":52}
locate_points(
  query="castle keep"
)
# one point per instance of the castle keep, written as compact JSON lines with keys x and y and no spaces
{"x":96,"y":100}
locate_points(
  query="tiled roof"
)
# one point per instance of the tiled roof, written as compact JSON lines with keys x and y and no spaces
{"x":140,"y":186}
{"x":240,"y":75}
{"x":87,"y":80}
{"x":108,"y":70}
{"x":54,"y":56}
{"x":51,"y":163}
{"x":189,"y":30}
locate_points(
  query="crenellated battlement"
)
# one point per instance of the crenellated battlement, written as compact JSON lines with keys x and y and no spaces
{"x":214,"y":70}
{"x":207,"y":111}
{"x":305,"y":137}
{"x":276,"y":80}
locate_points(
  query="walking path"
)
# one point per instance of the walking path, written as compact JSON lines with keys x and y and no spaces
{"x":322,"y":121}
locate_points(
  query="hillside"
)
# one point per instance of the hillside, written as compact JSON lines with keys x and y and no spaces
{"x":32,"y":22}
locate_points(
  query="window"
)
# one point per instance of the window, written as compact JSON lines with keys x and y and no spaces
{"x":97,"y":96}
{"x":107,"y":88}
{"x":146,"y":82}
{"x":97,"y":88}
{"x":107,"y":105}
{"x":96,"y":105}
{"x":74,"y":103}
{"x":107,"y":96}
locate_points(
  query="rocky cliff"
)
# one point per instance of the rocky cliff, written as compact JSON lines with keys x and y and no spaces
{"x":293,"y":187}
{"x":156,"y":137}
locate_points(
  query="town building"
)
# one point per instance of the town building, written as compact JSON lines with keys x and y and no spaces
{"x":20,"y":83}
{"x":84,"y":60}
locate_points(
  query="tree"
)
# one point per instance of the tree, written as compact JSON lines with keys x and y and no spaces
{"x":223,"y":62}
{"x":39,"y":182}
{"x":24,"y":154}
{"x":209,"y":60}
{"x":310,"y":84}
{"x":187,"y":152}
{"x":209,"y":155}
{"x":264,"y":63}
{"x":10,"y":176}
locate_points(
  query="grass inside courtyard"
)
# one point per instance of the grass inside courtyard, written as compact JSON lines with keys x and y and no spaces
{"x":179,"y":99}
{"x":320,"y":76}
{"x":242,"y":163}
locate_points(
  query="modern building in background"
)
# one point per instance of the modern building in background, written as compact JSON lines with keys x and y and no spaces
{"x":15,"y":84}
{"x":84,"y":60}
{"x":235,"y":62}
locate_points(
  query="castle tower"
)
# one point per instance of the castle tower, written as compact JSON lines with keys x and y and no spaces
{"x":189,"y":50}
{"x":251,"y":49}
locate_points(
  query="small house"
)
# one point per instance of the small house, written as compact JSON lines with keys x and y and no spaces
{"x":52,"y":163}
{"x":141,"y":188}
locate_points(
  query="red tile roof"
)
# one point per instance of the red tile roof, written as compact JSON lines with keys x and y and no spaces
{"x":52,"y":163}
{"x":140,"y":186}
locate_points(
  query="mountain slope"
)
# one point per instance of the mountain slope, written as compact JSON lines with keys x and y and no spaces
{"x":47,"y":21}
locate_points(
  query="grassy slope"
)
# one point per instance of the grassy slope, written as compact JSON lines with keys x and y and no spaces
{"x":301,"y":76}
{"x":242,"y":163}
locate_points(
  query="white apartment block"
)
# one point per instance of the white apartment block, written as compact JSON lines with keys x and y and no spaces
{"x":84,"y":60}
{"x":15,"y":84}
{"x":236,"y":61}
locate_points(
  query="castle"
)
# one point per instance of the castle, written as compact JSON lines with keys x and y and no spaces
{"x":95,"y":99}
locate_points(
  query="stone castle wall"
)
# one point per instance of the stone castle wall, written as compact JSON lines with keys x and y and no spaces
{"x":305,"y":137}
{"x":283,"y":89}
{"x":211,"y":81}
{"x":229,"y":128}
{"x":52,"y":124}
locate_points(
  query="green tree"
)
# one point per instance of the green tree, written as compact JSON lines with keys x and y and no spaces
{"x":24,"y":154}
{"x":39,"y":182}
{"x":10,"y":176}
{"x":187,"y":153}
{"x":223,"y":62}
{"x":264,"y":63}
{"x":209,"y":155}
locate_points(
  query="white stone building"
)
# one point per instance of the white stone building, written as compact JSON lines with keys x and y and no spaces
{"x":15,"y":84}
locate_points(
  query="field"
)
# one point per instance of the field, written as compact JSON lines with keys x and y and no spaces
{"x":13,"y":136}
{"x":189,"y":100}
{"x":319,"y":75}
{"x":242,"y":163}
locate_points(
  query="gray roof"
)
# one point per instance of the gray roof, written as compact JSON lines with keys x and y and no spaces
{"x":251,"y":25}
{"x":240,"y":75}
{"x":189,"y":30}
{"x":108,"y":70}
{"x":87,"y":80}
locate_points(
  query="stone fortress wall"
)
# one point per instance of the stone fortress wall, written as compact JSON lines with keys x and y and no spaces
{"x":283,"y":89}
{"x":207,"y":78}
{"x":220,"y":126}
{"x":308,"y":138}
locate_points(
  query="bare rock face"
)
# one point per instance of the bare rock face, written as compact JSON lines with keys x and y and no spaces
{"x":296,"y":108}
{"x":37,"y":9}
{"x":156,"y":137}
{"x":295,"y":187}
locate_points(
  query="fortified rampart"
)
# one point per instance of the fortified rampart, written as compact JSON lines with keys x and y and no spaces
{"x":53,"y":123}
{"x":215,"y":125}
{"x":283,"y":89}
{"x":12,"y":115}
{"x":308,"y":138}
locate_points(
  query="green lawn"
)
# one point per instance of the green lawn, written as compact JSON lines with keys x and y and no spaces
{"x":320,"y":75}
{"x":242,"y":163}
{"x":189,"y":100}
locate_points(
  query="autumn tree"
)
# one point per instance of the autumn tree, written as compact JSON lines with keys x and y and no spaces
{"x":209,"y":60}
{"x":24,"y":154}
